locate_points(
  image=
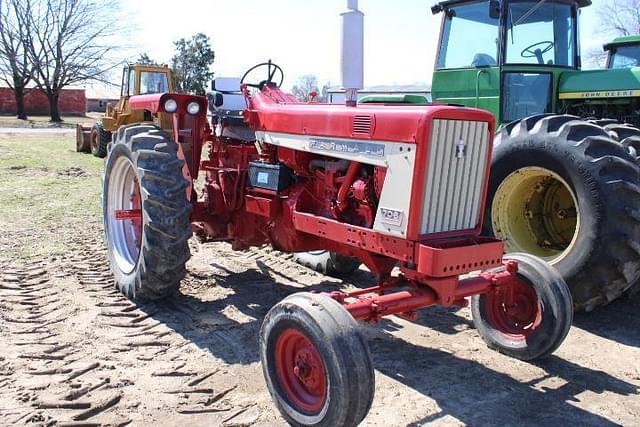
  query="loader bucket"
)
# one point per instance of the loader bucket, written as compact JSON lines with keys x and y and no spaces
{"x":83,"y":138}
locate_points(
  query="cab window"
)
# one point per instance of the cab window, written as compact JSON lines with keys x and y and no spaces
{"x":625,"y":57}
{"x":151,"y":82}
{"x":132,"y":83}
{"x":124,"y":90}
{"x":469,"y":38}
{"x":541,"y":33}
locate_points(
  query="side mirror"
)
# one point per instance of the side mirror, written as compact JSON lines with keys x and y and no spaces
{"x":494,"y":9}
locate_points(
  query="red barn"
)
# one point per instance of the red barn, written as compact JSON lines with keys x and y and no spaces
{"x":72,"y":102}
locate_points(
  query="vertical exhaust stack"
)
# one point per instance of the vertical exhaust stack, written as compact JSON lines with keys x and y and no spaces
{"x":352,"y":61}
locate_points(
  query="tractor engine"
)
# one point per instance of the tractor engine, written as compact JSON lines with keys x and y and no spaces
{"x":406,"y":172}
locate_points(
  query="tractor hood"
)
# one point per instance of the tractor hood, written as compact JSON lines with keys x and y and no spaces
{"x":617,"y":83}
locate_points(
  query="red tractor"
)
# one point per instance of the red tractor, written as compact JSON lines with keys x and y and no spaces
{"x":401,"y":185}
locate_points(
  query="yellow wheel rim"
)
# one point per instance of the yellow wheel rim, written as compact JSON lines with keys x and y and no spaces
{"x":535,"y":211}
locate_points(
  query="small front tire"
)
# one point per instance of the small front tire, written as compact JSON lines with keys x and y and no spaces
{"x":316,"y":362}
{"x":539,"y":319}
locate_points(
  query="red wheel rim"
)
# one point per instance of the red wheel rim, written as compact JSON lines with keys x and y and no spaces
{"x":519,"y":317}
{"x":301,"y":371}
{"x":136,"y":206}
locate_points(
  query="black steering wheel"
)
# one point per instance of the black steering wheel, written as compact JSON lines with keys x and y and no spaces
{"x":272,"y":70}
{"x":537,"y":50}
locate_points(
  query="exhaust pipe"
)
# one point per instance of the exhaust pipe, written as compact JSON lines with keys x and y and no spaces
{"x":352,"y":60}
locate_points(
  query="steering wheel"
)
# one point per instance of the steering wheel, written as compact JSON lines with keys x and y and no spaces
{"x":272,"y":69}
{"x":542,"y":48}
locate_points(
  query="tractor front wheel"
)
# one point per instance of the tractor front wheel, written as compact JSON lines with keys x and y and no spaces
{"x":146,"y":213}
{"x":530,"y":320}
{"x":316,"y":362}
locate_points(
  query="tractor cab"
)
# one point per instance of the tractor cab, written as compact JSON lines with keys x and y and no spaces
{"x":146,"y":80}
{"x":138,"y":80}
{"x":623,"y":52}
{"x":505,"y":56}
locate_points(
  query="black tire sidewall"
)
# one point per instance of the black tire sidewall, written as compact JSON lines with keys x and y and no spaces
{"x":345,"y":354}
{"x":102,"y":140}
{"x":557,"y":313}
{"x":555,"y":157}
{"x":126,"y":279}
{"x":298,"y":320}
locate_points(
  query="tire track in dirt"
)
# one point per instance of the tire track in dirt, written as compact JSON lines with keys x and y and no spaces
{"x":80,"y":353}
{"x":182,"y":385}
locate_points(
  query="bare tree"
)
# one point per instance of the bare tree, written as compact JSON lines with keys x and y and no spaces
{"x":304,"y":87}
{"x":15,"y":65}
{"x":620,"y":17}
{"x":69,"y":43}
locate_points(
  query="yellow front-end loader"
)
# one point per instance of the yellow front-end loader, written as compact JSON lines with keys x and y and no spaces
{"x":136,"y":80}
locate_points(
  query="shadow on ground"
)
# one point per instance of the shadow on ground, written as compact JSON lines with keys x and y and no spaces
{"x":618,"y":321}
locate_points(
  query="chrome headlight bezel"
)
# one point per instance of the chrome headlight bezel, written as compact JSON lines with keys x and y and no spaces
{"x":170,"y":105}
{"x":193,"y":108}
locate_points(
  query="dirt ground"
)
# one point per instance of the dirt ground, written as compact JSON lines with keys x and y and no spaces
{"x":73,"y":352}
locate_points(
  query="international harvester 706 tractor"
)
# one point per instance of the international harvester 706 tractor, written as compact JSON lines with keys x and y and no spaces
{"x":137,"y":79}
{"x":565,"y":180}
{"x":395,"y":186}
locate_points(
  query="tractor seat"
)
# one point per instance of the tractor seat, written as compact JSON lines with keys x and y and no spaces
{"x":227,"y":103}
{"x":483,"y":60}
{"x":226,"y":99}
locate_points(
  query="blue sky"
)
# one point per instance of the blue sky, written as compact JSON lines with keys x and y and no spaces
{"x":303,"y":35}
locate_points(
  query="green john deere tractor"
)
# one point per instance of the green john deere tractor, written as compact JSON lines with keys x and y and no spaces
{"x":565,"y":179}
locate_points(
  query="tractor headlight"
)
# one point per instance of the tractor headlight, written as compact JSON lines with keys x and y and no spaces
{"x":170,"y":106}
{"x":193,"y":108}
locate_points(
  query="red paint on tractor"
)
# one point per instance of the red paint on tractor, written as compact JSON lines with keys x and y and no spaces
{"x":128,"y":214}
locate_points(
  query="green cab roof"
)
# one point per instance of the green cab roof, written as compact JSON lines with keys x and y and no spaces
{"x":622,"y":41}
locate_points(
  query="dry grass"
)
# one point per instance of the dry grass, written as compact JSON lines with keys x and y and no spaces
{"x":39,"y":122}
{"x":45,"y":186}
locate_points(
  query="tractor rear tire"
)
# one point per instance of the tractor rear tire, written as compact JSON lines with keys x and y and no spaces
{"x":628,"y":135}
{"x":100,"y":139}
{"x":316,"y":362}
{"x":539,"y":319}
{"x":564,"y":190}
{"x":146,"y":213}
{"x":326,"y":262}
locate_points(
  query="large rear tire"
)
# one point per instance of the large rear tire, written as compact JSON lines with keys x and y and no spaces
{"x":316,"y":362}
{"x":628,"y":135}
{"x":146,"y":213}
{"x":564,"y":190}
